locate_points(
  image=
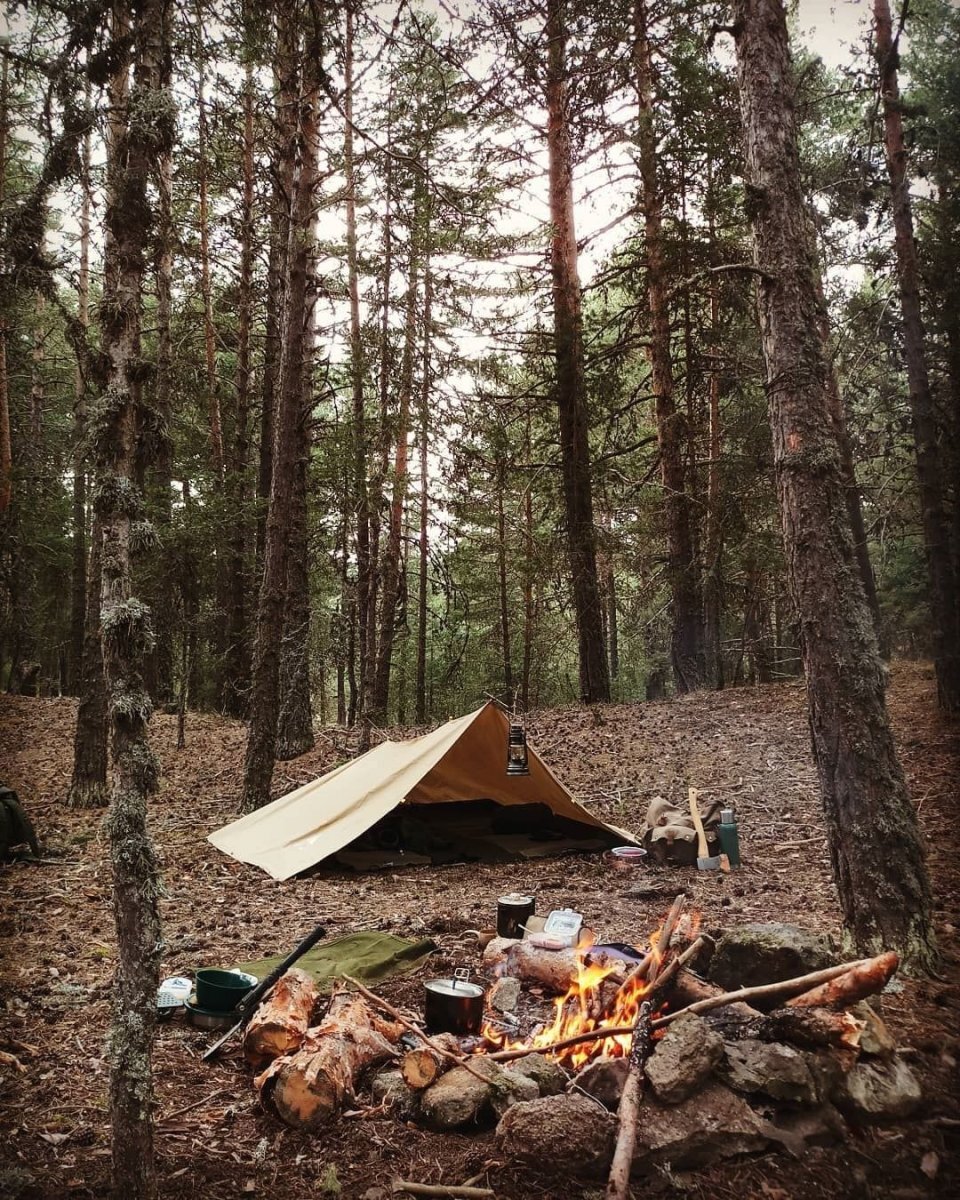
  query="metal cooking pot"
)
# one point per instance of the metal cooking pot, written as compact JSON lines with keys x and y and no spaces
{"x":453,"y":1005}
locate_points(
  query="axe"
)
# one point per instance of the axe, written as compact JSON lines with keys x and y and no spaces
{"x":705,"y":861}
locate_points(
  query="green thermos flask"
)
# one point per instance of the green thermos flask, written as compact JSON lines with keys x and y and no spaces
{"x":729,"y":836}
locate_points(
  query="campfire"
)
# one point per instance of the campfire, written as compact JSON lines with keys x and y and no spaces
{"x":600,"y":995}
{"x":641,"y":1061}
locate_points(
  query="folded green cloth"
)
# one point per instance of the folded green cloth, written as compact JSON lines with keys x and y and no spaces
{"x":367,"y":955}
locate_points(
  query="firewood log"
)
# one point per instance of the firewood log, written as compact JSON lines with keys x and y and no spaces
{"x":280,"y":1023}
{"x":813,"y":1027}
{"x":865,"y":979}
{"x":552,"y":969}
{"x":306,"y":1089}
{"x":424,"y":1065}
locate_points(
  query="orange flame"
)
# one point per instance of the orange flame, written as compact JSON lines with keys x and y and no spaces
{"x":590,"y":1002}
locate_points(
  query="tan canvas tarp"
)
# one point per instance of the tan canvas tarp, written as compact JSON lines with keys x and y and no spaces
{"x":462,"y":760}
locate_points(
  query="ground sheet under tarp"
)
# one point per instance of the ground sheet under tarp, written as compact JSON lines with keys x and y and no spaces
{"x":368,"y":955}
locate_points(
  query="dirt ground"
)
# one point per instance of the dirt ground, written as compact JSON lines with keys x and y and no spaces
{"x":748,"y":746}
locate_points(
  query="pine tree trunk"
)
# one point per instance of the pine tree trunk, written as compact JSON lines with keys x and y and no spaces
{"x":264,"y":696}
{"x":944,"y":603}
{"x":361,"y":497}
{"x":884,"y":893}
{"x":236,"y":670}
{"x":683,"y":569}
{"x":392,"y":561}
{"x":295,"y":724}
{"x":571,"y":386}
{"x":503,"y":594}
{"x":424,"y":545}
{"x":287,"y":88}
{"x":145,"y":127}
{"x":6,"y":448}
{"x":88,"y":786}
{"x":160,"y":662}
{"x":383,"y":442}
{"x":529,"y":574}
{"x":78,"y":582}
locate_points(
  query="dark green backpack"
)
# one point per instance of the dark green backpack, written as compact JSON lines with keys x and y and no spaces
{"x":16,"y":828}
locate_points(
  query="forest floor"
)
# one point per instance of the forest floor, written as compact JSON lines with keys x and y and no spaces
{"x":748,"y":746}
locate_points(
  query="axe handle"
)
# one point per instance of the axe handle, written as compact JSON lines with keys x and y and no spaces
{"x":702,"y":851}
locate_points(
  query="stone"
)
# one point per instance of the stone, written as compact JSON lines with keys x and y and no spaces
{"x":828,"y":1068}
{"x":876,"y":1038}
{"x":504,"y":996}
{"x":877,"y":1089}
{"x":714,"y":1124}
{"x":549,"y":1076}
{"x":769,"y":1068}
{"x":798,"y":1129}
{"x":512,"y":1087}
{"x":767,"y":952}
{"x":683,"y":1059}
{"x":389,"y":1087}
{"x":603,"y":1079}
{"x":563,"y":1135}
{"x":459,"y":1098}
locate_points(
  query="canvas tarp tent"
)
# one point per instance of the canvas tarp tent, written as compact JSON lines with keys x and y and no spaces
{"x":462,"y":760}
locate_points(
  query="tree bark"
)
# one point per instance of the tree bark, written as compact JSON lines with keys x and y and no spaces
{"x":571,"y":385}
{"x":295,"y":724}
{"x":236,"y":669}
{"x":160,"y":661}
{"x":307,"y":1089}
{"x":683,"y":569}
{"x":944,"y":601}
{"x":78,"y":582}
{"x":392,"y":564}
{"x":885,"y":897}
{"x":504,"y":596}
{"x":88,"y":786}
{"x":361,"y":498}
{"x":6,"y":448}
{"x":264,"y":698}
{"x":145,"y":126}
{"x":424,"y":544}
{"x":287,"y":87}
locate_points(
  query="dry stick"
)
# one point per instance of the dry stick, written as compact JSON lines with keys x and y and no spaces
{"x":628,"y":1114}
{"x":178,"y":1112}
{"x":642,"y":969}
{"x":641,"y":1047}
{"x":438,"y":1189}
{"x":762,"y":992}
{"x":414,"y":1029}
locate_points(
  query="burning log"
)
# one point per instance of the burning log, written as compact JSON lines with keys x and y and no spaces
{"x":553,"y":969}
{"x":307,"y":1089}
{"x":425,"y":1064}
{"x":861,"y":980}
{"x":280,"y":1023}
{"x":814,"y":1027}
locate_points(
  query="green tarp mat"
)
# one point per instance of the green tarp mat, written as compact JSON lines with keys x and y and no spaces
{"x":368,"y":955}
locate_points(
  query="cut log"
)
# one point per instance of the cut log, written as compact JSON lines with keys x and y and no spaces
{"x":307,"y":1089}
{"x":425,"y":1064}
{"x":813,"y":1027}
{"x":862,"y":980}
{"x":281,"y":1022}
{"x":555,"y":970}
